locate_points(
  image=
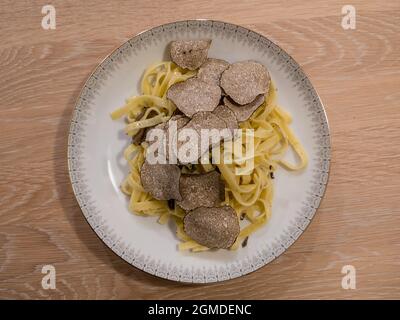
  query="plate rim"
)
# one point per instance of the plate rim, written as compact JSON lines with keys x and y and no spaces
{"x":328,"y":147}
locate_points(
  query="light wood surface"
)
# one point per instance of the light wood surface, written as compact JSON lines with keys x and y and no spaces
{"x":356,"y":72}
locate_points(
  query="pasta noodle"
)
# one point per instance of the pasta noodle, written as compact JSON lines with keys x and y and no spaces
{"x":249,"y":195}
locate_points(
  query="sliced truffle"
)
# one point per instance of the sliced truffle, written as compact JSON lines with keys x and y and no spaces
{"x":227,"y":115}
{"x":244,"y":81}
{"x":180,"y":119}
{"x":211,"y":70}
{"x":194,"y":95}
{"x":212,"y":227}
{"x":161,"y":180}
{"x":243,"y":112}
{"x":206,"y":120}
{"x":189,"y":54}
{"x":200,"y":190}
{"x":203,"y":121}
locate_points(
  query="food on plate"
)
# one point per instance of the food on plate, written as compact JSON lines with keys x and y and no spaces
{"x":243,"y":112}
{"x":216,"y":227}
{"x":202,"y":121}
{"x":201,"y":190}
{"x":161,"y":180}
{"x":244,"y":81}
{"x":214,"y":204}
{"x":211,"y":70}
{"x":189,"y":54}
{"x":194,"y":95}
{"x":170,"y":130}
{"x":227,"y":115}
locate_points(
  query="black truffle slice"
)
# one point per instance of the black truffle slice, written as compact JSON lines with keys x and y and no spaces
{"x":243,"y":112}
{"x":180,"y":119}
{"x":189,"y":54}
{"x":161,"y":180}
{"x":212,"y":227}
{"x":226,"y":114}
{"x":200,"y":190}
{"x":211,"y":70}
{"x":204,"y":121}
{"x":194,"y":95}
{"x":244,"y":81}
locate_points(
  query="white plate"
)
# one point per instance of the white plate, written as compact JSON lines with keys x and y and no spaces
{"x":97,"y":167}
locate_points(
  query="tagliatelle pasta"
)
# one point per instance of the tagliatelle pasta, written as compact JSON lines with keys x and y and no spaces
{"x":250,"y":194}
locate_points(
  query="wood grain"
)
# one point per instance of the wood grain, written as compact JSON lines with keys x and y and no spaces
{"x":356,"y":72}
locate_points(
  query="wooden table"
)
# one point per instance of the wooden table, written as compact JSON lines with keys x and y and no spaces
{"x":356,"y":72}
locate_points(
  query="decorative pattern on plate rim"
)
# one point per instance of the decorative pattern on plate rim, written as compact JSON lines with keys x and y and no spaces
{"x":269,"y":251}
